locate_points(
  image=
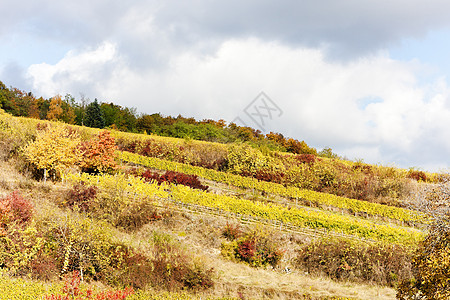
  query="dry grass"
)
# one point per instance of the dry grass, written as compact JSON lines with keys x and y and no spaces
{"x":202,"y":235}
{"x":258,"y":284}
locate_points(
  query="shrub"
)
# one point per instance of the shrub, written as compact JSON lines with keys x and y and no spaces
{"x":19,"y":248}
{"x":82,"y":244}
{"x":417,"y":175}
{"x":232,"y":232}
{"x":14,"y":209}
{"x":169,"y":267}
{"x":175,"y":178}
{"x":55,"y":149}
{"x":99,"y":153}
{"x":137,"y":215}
{"x":81,"y":195}
{"x":349,"y":260}
{"x":173,"y":269}
{"x":306,"y":158}
{"x":72,"y":290}
{"x":255,"y":248}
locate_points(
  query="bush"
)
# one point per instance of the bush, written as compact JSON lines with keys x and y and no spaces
{"x":19,"y":248}
{"x":232,"y":232}
{"x":14,"y":209}
{"x":173,"y":269}
{"x":169,"y":268}
{"x":99,"y":153}
{"x":81,"y":195}
{"x":417,"y":175}
{"x":82,"y":244}
{"x":54,"y":150}
{"x":137,"y":214}
{"x":431,"y":270}
{"x":175,"y":178}
{"x":349,"y":260}
{"x":72,"y":290}
{"x":255,"y":248}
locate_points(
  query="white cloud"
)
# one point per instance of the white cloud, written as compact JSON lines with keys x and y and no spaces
{"x":83,"y":69}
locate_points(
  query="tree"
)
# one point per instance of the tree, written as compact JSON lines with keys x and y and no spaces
{"x":55,"y":111}
{"x":94,"y":116}
{"x":431,"y":263}
{"x":99,"y":153}
{"x":55,"y":149}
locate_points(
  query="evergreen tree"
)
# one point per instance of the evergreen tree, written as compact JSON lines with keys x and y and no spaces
{"x":94,"y":116}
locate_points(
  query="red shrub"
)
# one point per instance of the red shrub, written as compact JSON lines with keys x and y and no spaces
{"x":99,"y":153}
{"x":175,"y":178}
{"x":306,"y":158}
{"x":417,"y":175}
{"x":81,"y":195}
{"x":14,"y":208}
{"x":72,"y":291}
{"x":265,"y":175}
{"x":247,"y":249}
{"x":232,"y":232}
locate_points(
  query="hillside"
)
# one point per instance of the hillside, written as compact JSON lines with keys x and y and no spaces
{"x":185,"y":219}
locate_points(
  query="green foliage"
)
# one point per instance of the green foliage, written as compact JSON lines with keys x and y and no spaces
{"x":94,"y":116}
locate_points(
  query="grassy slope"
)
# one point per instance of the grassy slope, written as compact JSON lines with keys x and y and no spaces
{"x":200,"y":233}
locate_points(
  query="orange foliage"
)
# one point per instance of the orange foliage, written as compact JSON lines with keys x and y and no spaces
{"x":99,"y":153}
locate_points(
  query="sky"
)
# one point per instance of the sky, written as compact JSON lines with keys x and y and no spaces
{"x":370,"y":79}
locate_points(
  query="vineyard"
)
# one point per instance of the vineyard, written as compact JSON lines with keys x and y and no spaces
{"x":157,"y":217}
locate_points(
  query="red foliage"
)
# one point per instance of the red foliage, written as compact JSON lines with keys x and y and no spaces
{"x":306,"y":158}
{"x":175,"y":178}
{"x":99,"y":153}
{"x":71,"y":291}
{"x":81,"y":195}
{"x":14,"y":208}
{"x":417,"y":175}
{"x":247,"y":249}
{"x":232,"y":232}
{"x":265,"y":175}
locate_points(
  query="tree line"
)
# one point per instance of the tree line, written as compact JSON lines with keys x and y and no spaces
{"x":112,"y":116}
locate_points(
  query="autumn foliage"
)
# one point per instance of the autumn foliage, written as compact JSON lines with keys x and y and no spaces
{"x":99,"y":153}
{"x":55,"y":149}
{"x":175,"y":178}
{"x":14,"y":208}
{"x":72,"y":291}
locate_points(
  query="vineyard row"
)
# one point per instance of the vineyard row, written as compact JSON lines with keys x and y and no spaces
{"x":304,"y":218}
{"x":352,"y":205}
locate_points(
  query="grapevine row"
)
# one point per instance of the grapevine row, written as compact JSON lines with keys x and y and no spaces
{"x":353,"y":205}
{"x":303,"y":218}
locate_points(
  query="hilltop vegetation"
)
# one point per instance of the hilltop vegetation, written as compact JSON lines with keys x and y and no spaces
{"x":105,"y":214}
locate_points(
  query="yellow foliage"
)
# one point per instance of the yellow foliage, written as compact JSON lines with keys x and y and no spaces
{"x":55,"y":111}
{"x":55,"y":148}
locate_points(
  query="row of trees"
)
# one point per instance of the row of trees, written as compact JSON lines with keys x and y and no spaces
{"x":109,"y":115}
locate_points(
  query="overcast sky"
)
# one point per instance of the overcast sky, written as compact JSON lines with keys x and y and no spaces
{"x":370,"y":79}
